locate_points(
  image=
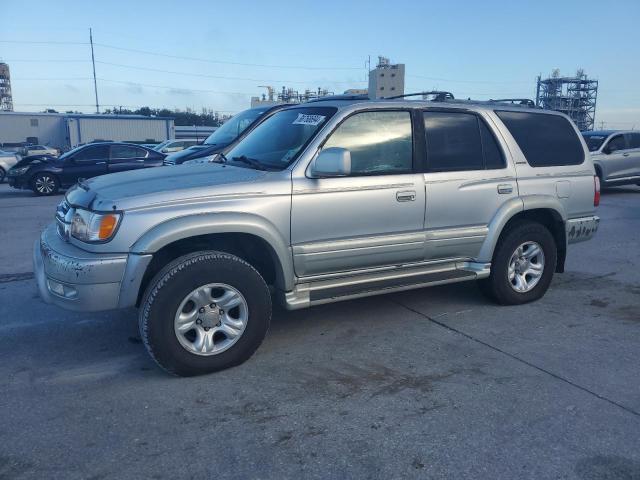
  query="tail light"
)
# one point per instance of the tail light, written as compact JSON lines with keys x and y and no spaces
{"x":596,"y":191}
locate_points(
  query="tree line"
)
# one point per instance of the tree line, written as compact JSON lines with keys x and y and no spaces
{"x":187,"y":117}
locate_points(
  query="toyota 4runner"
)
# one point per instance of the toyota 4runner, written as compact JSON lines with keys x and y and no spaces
{"x":325,"y":201}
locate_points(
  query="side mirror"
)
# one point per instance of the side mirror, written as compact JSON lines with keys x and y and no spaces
{"x":332,"y":162}
{"x":606,"y":150}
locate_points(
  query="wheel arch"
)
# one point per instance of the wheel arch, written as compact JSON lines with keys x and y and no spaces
{"x":247,"y":236}
{"x":542,"y":209}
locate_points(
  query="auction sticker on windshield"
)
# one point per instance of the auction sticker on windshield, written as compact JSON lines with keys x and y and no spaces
{"x":306,"y":119}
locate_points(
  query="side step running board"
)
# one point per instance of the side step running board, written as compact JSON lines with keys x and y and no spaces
{"x":363,"y":285}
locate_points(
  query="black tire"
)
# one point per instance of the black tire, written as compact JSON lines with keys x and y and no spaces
{"x":498,"y":286}
{"x":45,"y":184}
{"x":173,"y":283}
{"x":3,"y":174}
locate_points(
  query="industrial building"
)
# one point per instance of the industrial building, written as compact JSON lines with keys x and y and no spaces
{"x":6,"y":100}
{"x":287,"y":95}
{"x":386,"y":80}
{"x":573,"y":96}
{"x":65,"y":131}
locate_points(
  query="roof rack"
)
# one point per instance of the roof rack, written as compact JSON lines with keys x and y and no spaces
{"x":525,"y":102}
{"x":362,"y":96}
{"x":438,"y":95}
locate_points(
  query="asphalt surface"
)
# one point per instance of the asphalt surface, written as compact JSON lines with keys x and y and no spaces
{"x":433,"y":383}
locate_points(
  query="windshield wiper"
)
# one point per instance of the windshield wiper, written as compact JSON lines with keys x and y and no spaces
{"x":251,"y":162}
{"x":221,"y":158}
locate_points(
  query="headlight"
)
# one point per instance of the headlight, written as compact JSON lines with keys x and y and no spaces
{"x":94,"y":227}
{"x":18,"y":171}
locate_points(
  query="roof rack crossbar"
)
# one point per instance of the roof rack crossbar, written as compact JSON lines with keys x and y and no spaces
{"x":439,"y":95}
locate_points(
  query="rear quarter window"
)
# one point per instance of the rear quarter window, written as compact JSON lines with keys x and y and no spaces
{"x":546,"y":140}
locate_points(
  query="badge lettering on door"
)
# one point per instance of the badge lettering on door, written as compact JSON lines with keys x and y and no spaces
{"x":306,"y":119}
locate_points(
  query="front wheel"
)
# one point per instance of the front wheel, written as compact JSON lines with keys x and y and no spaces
{"x":2,"y":174}
{"x":204,"y":312}
{"x":523,"y":265}
{"x":45,"y":184}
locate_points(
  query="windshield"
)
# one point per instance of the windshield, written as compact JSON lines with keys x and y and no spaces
{"x":594,"y":142}
{"x":233,"y":128}
{"x":276,"y":143}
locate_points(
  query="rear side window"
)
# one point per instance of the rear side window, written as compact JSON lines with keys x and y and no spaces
{"x":460,"y":141}
{"x":127,"y":151}
{"x":633,"y":140}
{"x":617,"y":143}
{"x":546,"y":140}
{"x":90,"y":154}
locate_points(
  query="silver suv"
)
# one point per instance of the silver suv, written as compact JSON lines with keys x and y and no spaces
{"x":322,"y":202}
{"x":616,"y":156}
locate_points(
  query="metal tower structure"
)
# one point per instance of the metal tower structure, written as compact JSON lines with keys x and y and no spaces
{"x":573,"y":96}
{"x":6,"y":100}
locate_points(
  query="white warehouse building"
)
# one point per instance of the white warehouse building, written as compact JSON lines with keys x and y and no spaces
{"x":65,"y":131}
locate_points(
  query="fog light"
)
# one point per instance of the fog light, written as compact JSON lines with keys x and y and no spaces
{"x":61,"y":289}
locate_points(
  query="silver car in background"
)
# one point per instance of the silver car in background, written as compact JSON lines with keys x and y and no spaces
{"x":7,"y":160}
{"x":616,"y":156}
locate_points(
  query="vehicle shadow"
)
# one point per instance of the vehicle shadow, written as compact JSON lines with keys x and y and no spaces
{"x":15,"y":193}
{"x":620,"y":190}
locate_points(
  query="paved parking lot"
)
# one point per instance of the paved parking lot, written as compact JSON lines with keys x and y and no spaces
{"x":433,"y":383}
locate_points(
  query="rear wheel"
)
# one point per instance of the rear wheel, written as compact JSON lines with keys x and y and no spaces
{"x":204,"y":312}
{"x":2,"y":174}
{"x":523,"y":264}
{"x":45,"y":184}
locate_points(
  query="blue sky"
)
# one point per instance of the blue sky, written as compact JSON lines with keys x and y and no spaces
{"x":481,"y":49}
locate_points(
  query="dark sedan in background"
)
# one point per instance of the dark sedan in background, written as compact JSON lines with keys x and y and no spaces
{"x":45,"y":174}
{"x":233,"y":129}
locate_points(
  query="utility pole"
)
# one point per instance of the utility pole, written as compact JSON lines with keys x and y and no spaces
{"x":93,"y":62}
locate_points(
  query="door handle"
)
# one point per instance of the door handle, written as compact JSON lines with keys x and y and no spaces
{"x":625,"y":154}
{"x":505,"y":188}
{"x":406,"y":196}
{"x":100,"y":163}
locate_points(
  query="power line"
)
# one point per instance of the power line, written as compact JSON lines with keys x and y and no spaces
{"x":223,"y":62}
{"x":48,"y":60}
{"x":221,"y":77}
{"x":169,"y":87}
{"x":453,"y":80}
{"x":182,"y":57}
{"x":50,"y":42}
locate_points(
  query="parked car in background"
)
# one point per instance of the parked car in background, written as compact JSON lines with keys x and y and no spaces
{"x":230,"y":131}
{"x":172,"y":146}
{"x":7,"y":160}
{"x":40,"y":150}
{"x":323,"y":202}
{"x":45,"y":174}
{"x":616,"y":156}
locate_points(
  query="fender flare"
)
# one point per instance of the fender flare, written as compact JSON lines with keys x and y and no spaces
{"x":188,"y":226}
{"x":512,"y":208}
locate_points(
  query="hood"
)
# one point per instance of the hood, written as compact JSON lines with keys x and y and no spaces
{"x":150,"y":186}
{"x":37,"y":159}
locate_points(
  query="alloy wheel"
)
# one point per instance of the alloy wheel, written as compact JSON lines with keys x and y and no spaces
{"x":526,"y":267}
{"x":45,"y":184}
{"x":211,"y":319}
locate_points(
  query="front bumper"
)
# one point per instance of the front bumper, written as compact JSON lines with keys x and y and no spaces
{"x":581,"y":229}
{"x":78,"y":280}
{"x":17,"y":182}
